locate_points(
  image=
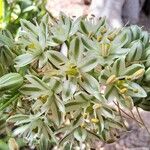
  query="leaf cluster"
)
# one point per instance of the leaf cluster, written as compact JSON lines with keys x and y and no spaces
{"x":60,"y":77}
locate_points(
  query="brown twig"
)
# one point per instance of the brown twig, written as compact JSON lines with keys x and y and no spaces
{"x":142,"y":120}
{"x":128,"y":115}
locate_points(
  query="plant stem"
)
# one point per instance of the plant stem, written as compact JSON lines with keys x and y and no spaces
{"x":142,"y":120}
{"x":128,"y":114}
{"x":121,"y":116}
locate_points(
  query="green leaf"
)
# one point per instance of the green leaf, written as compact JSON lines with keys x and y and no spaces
{"x":132,"y":69}
{"x":83,"y":27}
{"x":80,"y":134}
{"x":10,"y":81}
{"x":29,"y":27}
{"x":139,"y":91}
{"x":57,"y":58}
{"x":69,"y":88}
{"x":44,"y":143}
{"x":136,"y":52}
{"x":89,"y":44}
{"x":124,"y":38}
{"x":147,"y":75}
{"x":60,"y":104}
{"x":56,"y":113}
{"x":37,"y":82}
{"x":145,"y":38}
{"x":55,"y":84}
{"x":24,"y":59}
{"x":17,"y":117}
{"x":135,"y":32}
{"x":88,"y":63}
{"x":76,"y":50}
{"x":75,"y":105}
{"x":118,"y":67}
{"x":91,"y":85}
{"x":75,"y":26}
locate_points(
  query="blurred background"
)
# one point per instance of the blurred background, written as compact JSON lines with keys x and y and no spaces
{"x":11,"y":11}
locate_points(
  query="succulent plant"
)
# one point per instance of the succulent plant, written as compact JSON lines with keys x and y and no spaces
{"x":61,"y":99}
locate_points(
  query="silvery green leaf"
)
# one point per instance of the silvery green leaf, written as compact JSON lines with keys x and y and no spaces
{"x":24,"y":59}
{"x":145,"y":38}
{"x":7,"y":33}
{"x":55,"y":84}
{"x":74,"y":105}
{"x":29,"y":27}
{"x":136,"y":32}
{"x":21,"y":129}
{"x":75,"y":26}
{"x":148,"y":62}
{"x":88,"y":63}
{"x":60,"y":30}
{"x":65,"y":20}
{"x":128,"y":103}
{"x":52,"y":42}
{"x":84,"y":27}
{"x":55,"y":41}
{"x":111,"y":93}
{"x":80,"y":134}
{"x":132,"y":69}
{"x":76,"y":50}
{"x":42,"y":61}
{"x":32,"y":90}
{"x":69,"y":88}
{"x":60,"y":104}
{"x":135,"y":52}
{"x":107,"y":112}
{"x":42,"y":38}
{"x":90,"y":45}
{"x":47,"y":105}
{"x":56,"y":58}
{"x":140,"y":91}
{"x":101,"y":22}
{"x":104,"y":75}
{"x":17,"y":117}
{"x":123,"y":39}
{"x":56,"y":113}
{"x":101,"y":120}
{"x":147,"y":51}
{"x":147,"y":75}
{"x":79,"y":119}
{"x":118,"y":67}
{"x":89,"y":83}
{"x":37,"y":82}
{"x":44,"y":143}
{"x":4,"y":40}
{"x":118,"y":52}
{"x":81,"y":100}
{"x":50,"y":132}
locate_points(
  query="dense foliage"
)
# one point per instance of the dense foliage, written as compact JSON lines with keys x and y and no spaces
{"x":59,"y":79}
{"x":11,"y":11}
